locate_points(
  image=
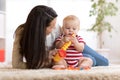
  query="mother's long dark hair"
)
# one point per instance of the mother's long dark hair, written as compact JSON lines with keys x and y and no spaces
{"x":33,"y":44}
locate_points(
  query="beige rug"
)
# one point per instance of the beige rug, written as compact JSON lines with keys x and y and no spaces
{"x":96,"y":73}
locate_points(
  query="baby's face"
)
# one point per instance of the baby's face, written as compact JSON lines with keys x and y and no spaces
{"x":70,"y":27}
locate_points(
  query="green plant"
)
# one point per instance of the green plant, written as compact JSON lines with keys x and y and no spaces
{"x":102,"y":9}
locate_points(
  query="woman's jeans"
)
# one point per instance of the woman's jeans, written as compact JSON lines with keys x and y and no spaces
{"x":98,"y":60}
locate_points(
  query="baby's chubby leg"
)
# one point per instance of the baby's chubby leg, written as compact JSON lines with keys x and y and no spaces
{"x":85,"y":62}
{"x":59,"y":64}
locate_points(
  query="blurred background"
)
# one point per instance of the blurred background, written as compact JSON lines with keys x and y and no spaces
{"x":14,"y":12}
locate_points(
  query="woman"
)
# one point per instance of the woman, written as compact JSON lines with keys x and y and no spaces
{"x":30,"y":39}
{"x":34,"y":38}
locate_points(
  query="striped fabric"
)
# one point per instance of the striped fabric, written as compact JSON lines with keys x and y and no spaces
{"x":72,"y":55}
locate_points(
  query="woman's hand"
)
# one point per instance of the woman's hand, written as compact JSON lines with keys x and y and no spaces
{"x":52,"y":53}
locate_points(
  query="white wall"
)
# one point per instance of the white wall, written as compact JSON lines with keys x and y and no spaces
{"x":80,"y":8}
{"x":2,"y":24}
{"x":17,"y":11}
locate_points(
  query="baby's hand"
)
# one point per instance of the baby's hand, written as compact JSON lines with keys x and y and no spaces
{"x":66,"y":38}
{"x":74,"y":40}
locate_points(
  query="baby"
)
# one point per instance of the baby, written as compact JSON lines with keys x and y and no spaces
{"x":74,"y":56}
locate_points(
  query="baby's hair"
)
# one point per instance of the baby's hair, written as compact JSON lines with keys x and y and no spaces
{"x":71,"y":18}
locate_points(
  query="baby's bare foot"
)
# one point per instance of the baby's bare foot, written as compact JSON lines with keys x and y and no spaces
{"x":58,"y":67}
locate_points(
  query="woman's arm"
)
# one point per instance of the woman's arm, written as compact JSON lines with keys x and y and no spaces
{"x":17,"y":58}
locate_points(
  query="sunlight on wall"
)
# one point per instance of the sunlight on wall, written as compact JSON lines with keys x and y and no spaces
{"x":79,"y":8}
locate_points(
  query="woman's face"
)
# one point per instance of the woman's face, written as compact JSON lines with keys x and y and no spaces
{"x":51,"y":27}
